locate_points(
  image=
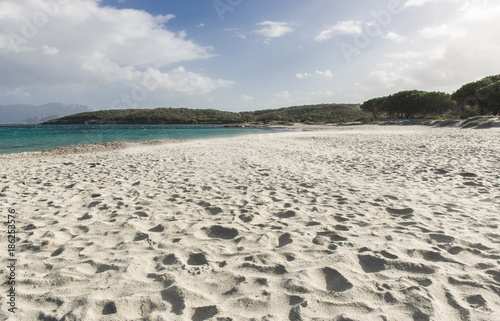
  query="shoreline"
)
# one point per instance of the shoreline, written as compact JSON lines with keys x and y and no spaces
{"x":88,"y":148}
{"x":113,"y":145}
{"x":481,"y":122}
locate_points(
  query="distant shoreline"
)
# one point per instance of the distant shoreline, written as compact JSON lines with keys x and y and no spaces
{"x":482,"y":122}
{"x":37,"y":138}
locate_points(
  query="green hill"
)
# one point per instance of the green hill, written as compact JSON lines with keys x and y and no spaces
{"x":325,"y":113}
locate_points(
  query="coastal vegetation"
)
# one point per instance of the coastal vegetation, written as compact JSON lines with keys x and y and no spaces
{"x":411,"y":104}
{"x":480,"y":97}
{"x":473,"y":99}
{"x":325,"y":113}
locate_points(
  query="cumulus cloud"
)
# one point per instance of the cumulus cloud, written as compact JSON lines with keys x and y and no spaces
{"x":350,"y":27}
{"x":444,"y":56}
{"x":82,"y":44}
{"x":394,"y":36}
{"x":319,"y":74}
{"x":303,"y":75}
{"x":182,"y":81}
{"x":325,"y":74}
{"x":50,"y":50}
{"x":273,"y":29}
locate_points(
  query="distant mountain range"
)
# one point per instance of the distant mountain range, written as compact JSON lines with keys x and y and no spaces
{"x":29,"y":114}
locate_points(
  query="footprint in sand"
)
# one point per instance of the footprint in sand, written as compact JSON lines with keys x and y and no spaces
{"x":221,"y":232}
{"x":284,"y":239}
{"x":435,"y":256}
{"x":441,"y":238}
{"x":176,"y":297}
{"x":157,"y":229}
{"x":109,"y":308}
{"x":204,"y":313}
{"x":399,"y":211}
{"x":476,"y":301}
{"x":141,"y":214}
{"x":214,"y":210}
{"x":83,"y":228}
{"x":295,"y":300}
{"x":197,"y":259}
{"x":468,"y":175}
{"x":246,"y":217}
{"x":335,"y":281}
{"x":169,"y":259}
{"x":340,"y":219}
{"x":141,"y":236}
{"x":86,"y":216}
{"x":389,"y":255}
{"x":371,"y":264}
{"x":57,"y":252}
{"x":286,"y":214}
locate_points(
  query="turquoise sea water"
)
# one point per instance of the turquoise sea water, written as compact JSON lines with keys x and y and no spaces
{"x":27,"y":138}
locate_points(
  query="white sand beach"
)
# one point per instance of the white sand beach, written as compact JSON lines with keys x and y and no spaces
{"x":340,"y":223}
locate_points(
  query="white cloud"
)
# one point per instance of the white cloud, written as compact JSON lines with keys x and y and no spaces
{"x":417,"y":3}
{"x":50,"y":50}
{"x":303,"y":75}
{"x":236,"y":33}
{"x":443,"y":32}
{"x":247,"y":98}
{"x":283,"y":94}
{"x":406,"y":55}
{"x":391,"y":35}
{"x":181,"y":81}
{"x":351,"y":27}
{"x":325,"y":74}
{"x":321,"y":74}
{"x":273,"y":29}
{"x":85,"y":46}
{"x":445,"y":56}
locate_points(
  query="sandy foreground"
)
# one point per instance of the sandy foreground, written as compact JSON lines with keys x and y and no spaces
{"x":354,"y":223}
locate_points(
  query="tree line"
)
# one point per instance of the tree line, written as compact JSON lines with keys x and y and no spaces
{"x":476,"y":98}
{"x":324,"y":113}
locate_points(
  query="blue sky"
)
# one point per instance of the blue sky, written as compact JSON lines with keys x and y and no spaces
{"x":240,"y":54}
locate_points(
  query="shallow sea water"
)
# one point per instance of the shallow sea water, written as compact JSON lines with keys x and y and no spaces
{"x":29,"y":138}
